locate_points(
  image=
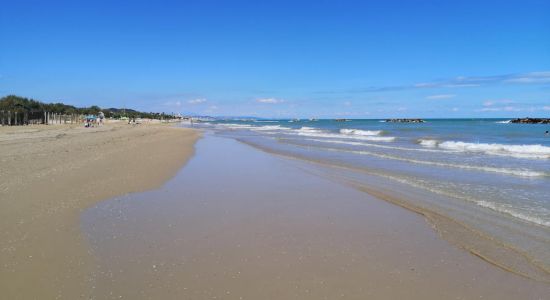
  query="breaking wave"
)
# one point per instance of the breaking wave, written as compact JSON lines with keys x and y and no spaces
{"x":508,"y":171}
{"x":373,"y":145}
{"x":428,"y":143}
{"x":520,"y":151}
{"x":313,"y":132}
{"x":360,"y":132}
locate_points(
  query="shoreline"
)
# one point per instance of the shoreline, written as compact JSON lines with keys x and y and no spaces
{"x":487,"y":247}
{"x":48,"y":250}
{"x":261,"y":226}
{"x":49,"y":174}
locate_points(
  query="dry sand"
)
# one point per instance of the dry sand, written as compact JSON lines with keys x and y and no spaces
{"x":49,"y":175}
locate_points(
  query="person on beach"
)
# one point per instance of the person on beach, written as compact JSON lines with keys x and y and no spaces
{"x":100,"y":118}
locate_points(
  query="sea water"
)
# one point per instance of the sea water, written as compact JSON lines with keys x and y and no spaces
{"x":491,"y":174}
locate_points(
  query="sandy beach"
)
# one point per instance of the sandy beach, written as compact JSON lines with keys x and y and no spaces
{"x":275,"y":150}
{"x":110,"y":213}
{"x":49,"y":175}
{"x":239,"y":223}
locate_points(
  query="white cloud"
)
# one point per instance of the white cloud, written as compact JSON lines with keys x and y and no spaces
{"x":351,"y":113}
{"x":270,"y":100}
{"x":533,"y":77}
{"x":441,"y":96}
{"x":489,"y":103}
{"x":424,"y":85}
{"x":458,"y":85}
{"x":513,"y":108}
{"x":172,"y":103}
{"x":502,"y":108}
{"x":528,"y":80}
{"x":197,"y":101}
{"x":541,"y":78}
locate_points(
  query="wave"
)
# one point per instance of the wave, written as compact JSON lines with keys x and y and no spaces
{"x":314,"y":132}
{"x":502,"y":208}
{"x":309,"y":129}
{"x":256,"y":128}
{"x":360,"y":132}
{"x":520,"y":151}
{"x":498,"y":207}
{"x":374,"y":145}
{"x":340,"y":136}
{"x":504,"y":122}
{"x":428,"y":143}
{"x":234,"y":126}
{"x":270,"y":128}
{"x":508,"y":171}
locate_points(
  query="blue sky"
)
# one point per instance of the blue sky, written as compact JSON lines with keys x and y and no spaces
{"x":359,"y":59}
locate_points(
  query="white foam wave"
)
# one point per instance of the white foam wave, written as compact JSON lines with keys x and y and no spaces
{"x":428,"y":143}
{"x":520,"y":151}
{"x":373,"y":145}
{"x":360,"y":132}
{"x":255,"y":128}
{"x":508,"y":171}
{"x":504,"y":122}
{"x":502,"y":208}
{"x":315,"y":132}
{"x":309,"y":129}
{"x":340,"y":136}
{"x":270,"y":128}
{"x":498,"y":207}
{"x":234,"y":126}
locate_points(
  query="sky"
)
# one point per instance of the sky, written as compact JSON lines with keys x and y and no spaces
{"x":282,"y":59}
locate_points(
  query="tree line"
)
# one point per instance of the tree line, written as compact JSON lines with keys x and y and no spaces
{"x":19,"y":104}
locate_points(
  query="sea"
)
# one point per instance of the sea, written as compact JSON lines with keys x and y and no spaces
{"x":490,"y":175}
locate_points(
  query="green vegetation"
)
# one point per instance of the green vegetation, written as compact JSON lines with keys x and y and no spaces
{"x":25,"y":105}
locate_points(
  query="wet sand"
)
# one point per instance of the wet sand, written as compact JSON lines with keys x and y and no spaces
{"x":238,"y":223}
{"x":49,"y":175}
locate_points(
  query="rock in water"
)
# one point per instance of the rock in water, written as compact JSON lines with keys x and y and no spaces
{"x":531,"y":121}
{"x":405,"y":121}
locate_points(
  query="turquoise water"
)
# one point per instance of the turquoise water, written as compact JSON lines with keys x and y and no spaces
{"x":491,"y":163}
